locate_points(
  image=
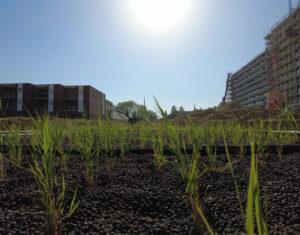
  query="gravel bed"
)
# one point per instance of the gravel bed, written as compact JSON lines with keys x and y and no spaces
{"x":136,"y":199}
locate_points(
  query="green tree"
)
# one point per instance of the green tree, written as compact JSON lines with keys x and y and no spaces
{"x":125,"y":107}
{"x":173,"y":109}
{"x":152,"y":115}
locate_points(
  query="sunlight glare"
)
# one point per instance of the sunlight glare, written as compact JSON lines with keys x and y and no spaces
{"x":160,"y":15}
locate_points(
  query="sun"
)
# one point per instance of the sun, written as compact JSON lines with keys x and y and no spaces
{"x":160,"y":15}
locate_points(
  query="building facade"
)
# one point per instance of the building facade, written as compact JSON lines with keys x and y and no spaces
{"x":24,"y":99}
{"x":249,"y":85}
{"x":273,"y":77}
{"x":283,"y":46}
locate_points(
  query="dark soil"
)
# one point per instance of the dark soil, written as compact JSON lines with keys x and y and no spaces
{"x":136,"y":199}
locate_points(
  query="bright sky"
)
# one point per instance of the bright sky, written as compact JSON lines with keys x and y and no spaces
{"x":179,"y":51}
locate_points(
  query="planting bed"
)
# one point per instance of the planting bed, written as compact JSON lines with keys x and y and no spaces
{"x":135,"y":198}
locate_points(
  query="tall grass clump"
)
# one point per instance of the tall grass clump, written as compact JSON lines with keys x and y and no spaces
{"x":50,"y":181}
{"x":144,"y":133}
{"x":196,"y":135}
{"x":13,"y":140}
{"x":62,"y":136}
{"x":188,"y":168}
{"x":232,"y":174}
{"x":254,"y":199}
{"x":125,"y":139}
{"x":285,"y":133}
{"x":107,"y":142}
{"x":261,"y":139}
{"x":238,"y":137}
{"x":158,"y":148}
{"x":212,"y":134}
{"x":83,"y":141}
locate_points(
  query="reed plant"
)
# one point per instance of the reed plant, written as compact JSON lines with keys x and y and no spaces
{"x":192,"y":187}
{"x":144,"y":133}
{"x":158,"y":147}
{"x":254,"y":199}
{"x":64,"y":147}
{"x":289,"y":118}
{"x":51,"y":184}
{"x":107,"y":142}
{"x":232,"y":173}
{"x":261,"y":139}
{"x":211,"y":135}
{"x":83,"y":141}
{"x":253,"y":191}
{"x":60,"y":134}
{"x":188,"y":168}
{"x":283,"y":137}
{"x":196,"y":135}
{"x":238,"y":138}
{"x":13,"y":140}
{"x":124,"y":139}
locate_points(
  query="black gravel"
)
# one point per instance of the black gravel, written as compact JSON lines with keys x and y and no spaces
{"x":279,"y":182}
{"x":136,"y":199}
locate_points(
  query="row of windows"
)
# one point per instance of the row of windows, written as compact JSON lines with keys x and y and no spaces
{"x":251,"y":83}
{"x":258,"y":103}
{"x":257,"y":67}
{"x":247,"y":78}
{"x":284,"y":78}
{"x":251,"y":64}
{"x":250,"y":88}
{"x":261,"y":90}
{"x":294,"y":100}
{"x":287,"y":84}
{"x":256,"y":98}
{"x":286,"y":62}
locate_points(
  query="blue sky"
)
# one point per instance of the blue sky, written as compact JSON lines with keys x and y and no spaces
{"x":98,"y":43}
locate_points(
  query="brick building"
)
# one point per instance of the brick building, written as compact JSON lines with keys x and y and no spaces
{"x":23,"y":99}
